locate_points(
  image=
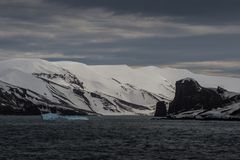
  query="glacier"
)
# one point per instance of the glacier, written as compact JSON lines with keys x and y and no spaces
{"x":54,"y":117}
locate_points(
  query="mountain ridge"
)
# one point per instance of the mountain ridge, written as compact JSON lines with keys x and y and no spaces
{"x":100,"y":90}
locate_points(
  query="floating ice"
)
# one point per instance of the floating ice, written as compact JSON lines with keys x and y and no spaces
{"x":52,"y":117}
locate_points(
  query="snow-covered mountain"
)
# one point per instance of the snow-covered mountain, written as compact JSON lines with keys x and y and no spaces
{"x":30,"y":85}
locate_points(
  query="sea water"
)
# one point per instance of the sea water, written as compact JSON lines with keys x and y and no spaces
{"x":118,"y":138}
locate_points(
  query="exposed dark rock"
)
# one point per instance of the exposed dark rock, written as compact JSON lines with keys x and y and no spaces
{"x":68,"y":77}
{"x":191,"y":96}
{"x":221,"y":90}
{"x":193,"y":101}
{"x":161,"y":109}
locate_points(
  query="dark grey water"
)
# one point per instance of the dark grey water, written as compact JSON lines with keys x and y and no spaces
{"x":136,"y":138}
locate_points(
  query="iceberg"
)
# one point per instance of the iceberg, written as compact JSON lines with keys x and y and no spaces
{"x":53,"y":116}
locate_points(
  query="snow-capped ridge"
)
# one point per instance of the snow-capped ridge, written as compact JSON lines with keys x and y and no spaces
{"x":102,"y":89}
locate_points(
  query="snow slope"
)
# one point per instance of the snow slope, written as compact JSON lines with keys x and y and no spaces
{"x":104,"y":89}
{"x":172,"y":74}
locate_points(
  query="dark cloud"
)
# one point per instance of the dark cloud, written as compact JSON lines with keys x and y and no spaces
{"x":134,"y":32}
{"x":208,"y":11}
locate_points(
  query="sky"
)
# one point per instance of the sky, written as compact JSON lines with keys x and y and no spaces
{"x":200,"y":35}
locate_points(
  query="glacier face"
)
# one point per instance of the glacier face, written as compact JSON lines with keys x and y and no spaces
{"x":76,"y":88}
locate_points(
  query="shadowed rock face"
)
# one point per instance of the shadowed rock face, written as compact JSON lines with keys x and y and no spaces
{"x":193,"y":101}
{"x":191,"y":96}
{"x":161,"y":109}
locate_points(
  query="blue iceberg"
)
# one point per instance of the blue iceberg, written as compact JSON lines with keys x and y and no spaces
{"x":53,"y":116}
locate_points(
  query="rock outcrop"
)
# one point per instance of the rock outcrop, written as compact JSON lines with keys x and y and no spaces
{"x":191,"y":96}
{"x":161,"y":109}
{"x":192,"y":101}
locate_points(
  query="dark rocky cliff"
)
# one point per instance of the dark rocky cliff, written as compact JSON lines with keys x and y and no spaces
{"x":192,"y":101}
{"x":191,"y":96}
{"x":161,"y":109}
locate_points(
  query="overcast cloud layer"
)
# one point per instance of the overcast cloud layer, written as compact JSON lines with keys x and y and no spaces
{"x":201,"y":35}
